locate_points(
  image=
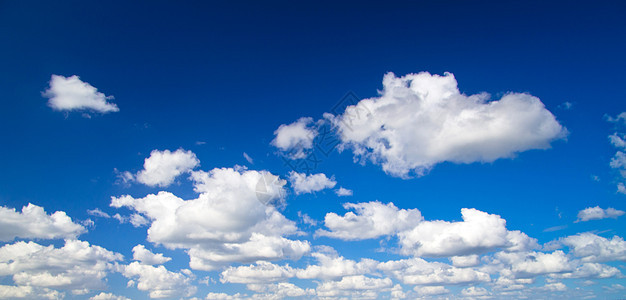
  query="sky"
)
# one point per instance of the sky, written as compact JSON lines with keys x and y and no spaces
{"x":312,"y":150}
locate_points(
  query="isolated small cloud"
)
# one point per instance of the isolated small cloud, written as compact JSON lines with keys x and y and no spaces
{"x":421,"y":120}
{"x":158,"y":281}
{"x":70,"y":93}
{"x":303,"y":183}
{"x":162,"y":167}
{"x":597,"y":213}
{"x":248,"y":158}
{"x":343,"y":192}
{"x":295,"y":138}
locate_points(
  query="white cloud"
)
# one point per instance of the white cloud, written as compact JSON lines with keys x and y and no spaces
{"x":349,"y":284}
{"x":421,"y":120}
{"x":108,"y":296}
{"x":248,"y":158}
{"x":342,"y":192}
{"x":70,"y":93}
{"x":594,"y":248}
{"x":473,"y":291}
{"x":597,"y":213}
{"x":29,"y":292}
{"x":77,"y":265}
{"x":228,"y":222}
{"x":294,"y":139}
{"x":332,"y":266}
{"x":465,"y":261}
{"x":96,"y":212}
{"x":136,"y":220}
{"x":158,"y":281}
{"x":531,"y":264}
{"x":34,"y":223}
{"x":431,"y":290}
{"x":147,"y":257}
{"x":420,"y":272}
{"x":261,"y":272}
{"x":479,"y":232}
{"x":279,"y":290}
{"x":162,"y":167}
{"x":303,"y":183}
{"x":223,"y":296}
{"x":372,"y":219}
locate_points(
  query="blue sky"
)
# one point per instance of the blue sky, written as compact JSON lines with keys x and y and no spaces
{"x":125,"y":125}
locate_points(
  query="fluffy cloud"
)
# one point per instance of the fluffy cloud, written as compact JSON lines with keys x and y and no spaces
{"x":146,"y":256}
{"x":479,"y":232}
{"x":594,"y":248}
{"x":261,"y":272}
{"x":162,"y":167}
{"x":357,"y":286}
{"x":107,"y":296}
{"x":294,"y":139}
{"x":70,"y":93}
{"x":531,"y":264}
{"x":76,"y":266}
{"x":34,"y":223}
{"x":431,"y":290}
{"x":597,"y":213}
{"x":332,"y":266}
{"x":158,"y":281}
{"x":228,"y":222}
{"x":28,"y":292}
{"x":279,"y":290}
{"x":372,"y":219}
{"x":420,"y":272}
{"x":304,"y":184}
{"x":420,"y":120}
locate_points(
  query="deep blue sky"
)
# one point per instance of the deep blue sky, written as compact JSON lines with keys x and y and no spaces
{"x":229,"y":73}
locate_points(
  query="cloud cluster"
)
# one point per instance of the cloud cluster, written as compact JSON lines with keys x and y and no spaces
{"x":75,"y":266}
{"x":420,"y":120}
{"x":71,"y":93}
{"x":34,"y":223}
{"x":227,"y":223}
{"x":158,"y":281}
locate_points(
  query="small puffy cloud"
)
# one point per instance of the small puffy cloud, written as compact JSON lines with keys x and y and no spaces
{"x":147,"y":257}
{"x":75,"y":266}
{"x":531,"y":264}
{"x":593,"y":248}
{"x":303,"y":183}
{"x":71,"y":93}
{"x":294,"y":139}
{"x":597,"y":213}
{"x":108,"y":296}
{"x":228,"y":222}
{"x":162,"y":167}
{"x":34,"y":223}
{"x":158,"y":281}
{"x":136,"y":220}
{"x":372,"y":220}
{"x":420,"y":120}
{"x":343,"y":192}
{"x":479,"y":232}
{"x":29,"y":292}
